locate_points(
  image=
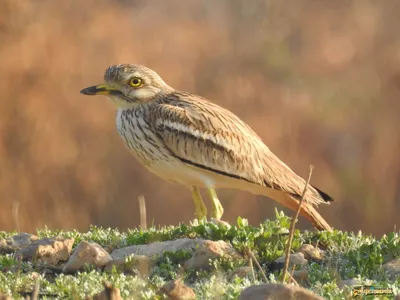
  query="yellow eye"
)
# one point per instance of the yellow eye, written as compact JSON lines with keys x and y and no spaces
{"x":136,"y":82}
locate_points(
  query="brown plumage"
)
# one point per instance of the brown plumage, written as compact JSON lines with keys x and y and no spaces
{"x":187,"y":139}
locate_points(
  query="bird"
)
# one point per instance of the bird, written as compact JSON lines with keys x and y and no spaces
{"x":187,"y":139}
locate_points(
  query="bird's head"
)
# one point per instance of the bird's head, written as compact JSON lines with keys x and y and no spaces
{"x":129,"y":85}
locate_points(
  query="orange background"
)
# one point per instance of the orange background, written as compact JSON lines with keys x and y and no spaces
{"x":318,"y":80}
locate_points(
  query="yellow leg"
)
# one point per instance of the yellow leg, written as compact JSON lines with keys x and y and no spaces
{"x":217,"y":209}
{"x":201,"y":209}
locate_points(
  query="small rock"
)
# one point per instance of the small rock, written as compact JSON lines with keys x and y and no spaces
{"x":16,"y":242}
{"x":157,"y":248}
{"x":348,"y":282}
{"x":47,"y":251}
{"x":176,"y":290}
{"x":34,"y":275}
{"x":276,"y":291}
{"x":311,"y":253}
{"x":109,"y":293}
{"x":392,"y":268}
{"x":240,"y":272}
{"x":136,"y":264}
{"x":5,"y":297}
{"x":87,"y":253}
{"x":210,"y":250}
{"x":23,"y":239}
{"x":301,"y":276}
{"x":294,"y":259}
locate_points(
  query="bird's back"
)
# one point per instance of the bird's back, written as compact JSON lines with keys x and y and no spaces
{"x":205,"y":135}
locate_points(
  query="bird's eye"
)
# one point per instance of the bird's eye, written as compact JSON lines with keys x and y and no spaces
{"x":135,"y":82}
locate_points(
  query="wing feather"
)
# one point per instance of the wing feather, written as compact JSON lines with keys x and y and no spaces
{"x":203,"y":134}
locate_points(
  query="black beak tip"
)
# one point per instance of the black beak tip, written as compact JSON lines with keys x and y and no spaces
{"x":87,"y":91}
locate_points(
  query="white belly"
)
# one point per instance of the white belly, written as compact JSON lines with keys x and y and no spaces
{"x":179,"y":172}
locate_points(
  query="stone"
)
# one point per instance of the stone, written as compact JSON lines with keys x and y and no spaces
{"x":240,"y":272}
{"x":204,"y":250}
{"x":301,"y":276}
{"x":23,"y":239}
{"x":16,"y":242}
{"x":46,"y":251}
{"x":294,"y":259}
{"x":277,"y":291}
{"x":157,"y":248}
{"x":210,"y":250}
{"x":348,"y":282}
{"x":177,"y":290}
{"x":392,"y":268}
{"x":135,"y":265}
{"x":5,"y":297}
{"x":109,"y":293}
{"x":87,"y":254}
{"x":311,"y":253}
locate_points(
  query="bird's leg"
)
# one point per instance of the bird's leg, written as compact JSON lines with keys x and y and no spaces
{"x":201,"y":209}
{"x":217,"y":209}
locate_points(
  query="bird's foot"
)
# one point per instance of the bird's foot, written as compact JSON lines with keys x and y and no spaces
{"x":220,"y":223}
{"x":197,"y":222}
{"x":201,"y":209}
{"x":217,"y":209}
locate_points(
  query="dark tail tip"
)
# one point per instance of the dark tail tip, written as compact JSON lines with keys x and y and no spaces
{"x":324,"y":196}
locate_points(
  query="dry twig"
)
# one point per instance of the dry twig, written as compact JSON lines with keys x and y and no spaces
{"x":258,"y":264}
{"x":142,"y":209}
{"x":252,"y":269}
{"x":292,"y":225}
{"x":15,"y":212}
{"x":35,"y":292}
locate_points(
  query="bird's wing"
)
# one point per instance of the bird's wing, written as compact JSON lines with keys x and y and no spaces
{"x":205,"y":135}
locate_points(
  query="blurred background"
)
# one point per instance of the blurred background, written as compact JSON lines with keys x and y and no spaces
{"x":318,"y":80}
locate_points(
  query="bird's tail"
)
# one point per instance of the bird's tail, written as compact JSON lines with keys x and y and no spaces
{"x":292,"y":202}
{"x":308,"y":211}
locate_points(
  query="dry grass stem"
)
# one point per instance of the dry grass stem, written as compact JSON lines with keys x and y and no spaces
{"x":252,"y":257}
{"x":292,"y":226}
{"x":252,"y":269}
{"x":142,"y":209}
{"x":35,"y":292}
{"x":15,"y":210}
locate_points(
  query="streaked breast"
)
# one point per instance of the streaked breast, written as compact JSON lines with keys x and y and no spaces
{"x":135,"y":131}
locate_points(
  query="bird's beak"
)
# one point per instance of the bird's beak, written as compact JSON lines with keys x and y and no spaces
{"x":101,"y":89}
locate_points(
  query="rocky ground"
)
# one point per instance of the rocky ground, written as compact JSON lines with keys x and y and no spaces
{"x":203,"y":261}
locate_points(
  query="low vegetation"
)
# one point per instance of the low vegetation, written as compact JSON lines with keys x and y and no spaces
{"x":346,"y":256}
